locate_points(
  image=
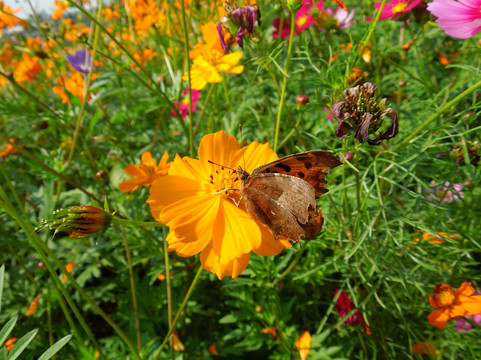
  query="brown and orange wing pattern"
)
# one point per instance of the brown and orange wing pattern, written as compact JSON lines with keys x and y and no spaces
{"x":310,"y":166}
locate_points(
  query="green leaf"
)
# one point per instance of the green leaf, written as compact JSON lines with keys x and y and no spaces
{"x":7,"y":329}
{"x":21,"y":344}
{"x":55,"y":348}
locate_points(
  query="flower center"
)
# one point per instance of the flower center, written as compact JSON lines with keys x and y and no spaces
{"x":399,"y":8}
{"x":444,"y":295}
{"x":223,"y":178}
{"x":149,"y":170}
{"x":301,"y":21}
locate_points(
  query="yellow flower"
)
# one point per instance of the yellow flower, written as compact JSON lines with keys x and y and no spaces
{"x":145,"y":173}
{"x":450,"y":304}
{"x":303,"y":344}
{"x":32,"y":308}
{"x":195,"y":203}
{"x":206,"y":67}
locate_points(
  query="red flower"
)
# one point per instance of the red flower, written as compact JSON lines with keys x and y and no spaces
{"x":344,"y":306}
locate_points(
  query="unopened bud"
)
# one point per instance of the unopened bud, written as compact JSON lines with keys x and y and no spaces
{"x":293,"y":5}
{"x":302,"y":100}
{"x":79,"y":221}
{"x":101,"y":175}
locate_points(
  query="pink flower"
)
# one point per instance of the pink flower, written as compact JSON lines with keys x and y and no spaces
{"x":459,"y":19}
{"x":395,"y":8}
{"x":463,"y":325}
{"x":343,"y":17}
{"x":184,"y":104}
{"x":304,"y":19}
{"x":448,"y":193}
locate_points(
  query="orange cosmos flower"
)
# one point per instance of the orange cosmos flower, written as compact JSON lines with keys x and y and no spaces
{"x":9,"y":343}
{"x":213,"y":349}
{"x":206,"y":67}
{"x":195,"y":203}
{"x":7,"y":19}
{"x":425,"y":347}
{"x":145,"y":173}
{"x":303,"y":344}
{"x":60,"y":7}
{"x":435,"y":239}
{"x":32,"y":308}
{"x":68,"y":268}
{"x":178,"y":346}
{"x":272,"y":331}
{"x":450,"y":304}
{"x":211,"y":39}
{"x":27,"y":69}
{"x":8,"y":149}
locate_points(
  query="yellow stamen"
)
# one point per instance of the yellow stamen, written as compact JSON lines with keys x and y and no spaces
{"x":399,"y":8}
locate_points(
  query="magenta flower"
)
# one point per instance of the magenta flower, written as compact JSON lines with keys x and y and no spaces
{"x":459,"y":19}
{"x":184,"y":104}
{"x":304,"y":19}
{"x":463,"y":325}
{"x":448,"y":193}
{"x":343,"y":17}
{"x":344,"y":306}
{"x":395,"y":8}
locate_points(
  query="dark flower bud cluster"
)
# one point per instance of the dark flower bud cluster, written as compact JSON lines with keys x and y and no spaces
{"x":239,"y":20}
{"x":362,"y":112}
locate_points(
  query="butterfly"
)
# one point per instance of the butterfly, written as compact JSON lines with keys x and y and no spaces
{"x":282,"y":194}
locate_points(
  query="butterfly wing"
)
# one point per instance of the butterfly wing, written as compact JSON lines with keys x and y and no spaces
{"x":279,"y":201}
{"x":310,"y":166}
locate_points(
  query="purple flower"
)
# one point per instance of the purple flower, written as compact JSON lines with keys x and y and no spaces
{"x":244,"y":18}
{"x":361,"y":111}
{"x":448,"y":193}
{"x":80,"y":61}
{"x":459,"y":19}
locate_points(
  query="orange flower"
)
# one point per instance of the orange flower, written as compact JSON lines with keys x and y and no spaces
{"x":425,"y":348}
{"x":161,"y":277}
{"x":436,"y":240}
{"x":27,"y":69}
{"x":68,"y":268}
{"x":145,"y":173}
{"x":60,"y":7}
{"x":303,"y":344}
{"x":195,"y":203}
{"x":9,"y":343}
{"x":74,"y":85}
{"x":211,"y":38}
{"x":8,"y":149}
{"x":32,"y":308}
{"x":213,"y":349}
{"x":145,"y":14}
{"x":271,"y":331}
{"x":450,"y":304}
{"x":7,"y":19}
{"x":178,"y":346}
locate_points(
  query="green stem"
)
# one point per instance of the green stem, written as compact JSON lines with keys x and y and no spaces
{"x":132,"y":287}
{"x":179,"y":312}
{"x":189,"y":79}
{"x":86,"y":91}
{"x":284,"y":80}
{"x":441,"y":111}
{"x":169,"y":295}
{"x":289,"y":268}
{"x":204,"y":107}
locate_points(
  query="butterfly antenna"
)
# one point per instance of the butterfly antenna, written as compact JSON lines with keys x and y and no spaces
{"x":242,"y":148}
{"x":211,"y":162}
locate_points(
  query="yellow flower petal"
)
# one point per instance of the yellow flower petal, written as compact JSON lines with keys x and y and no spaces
{"x":211,"y":262}
{"x":235,"y":232}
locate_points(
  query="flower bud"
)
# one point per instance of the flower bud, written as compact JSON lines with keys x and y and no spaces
{"x":293,"y":5}
{"x":101,"y":175}
{"x":79,"y":221}
{"x":301,"y":101}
